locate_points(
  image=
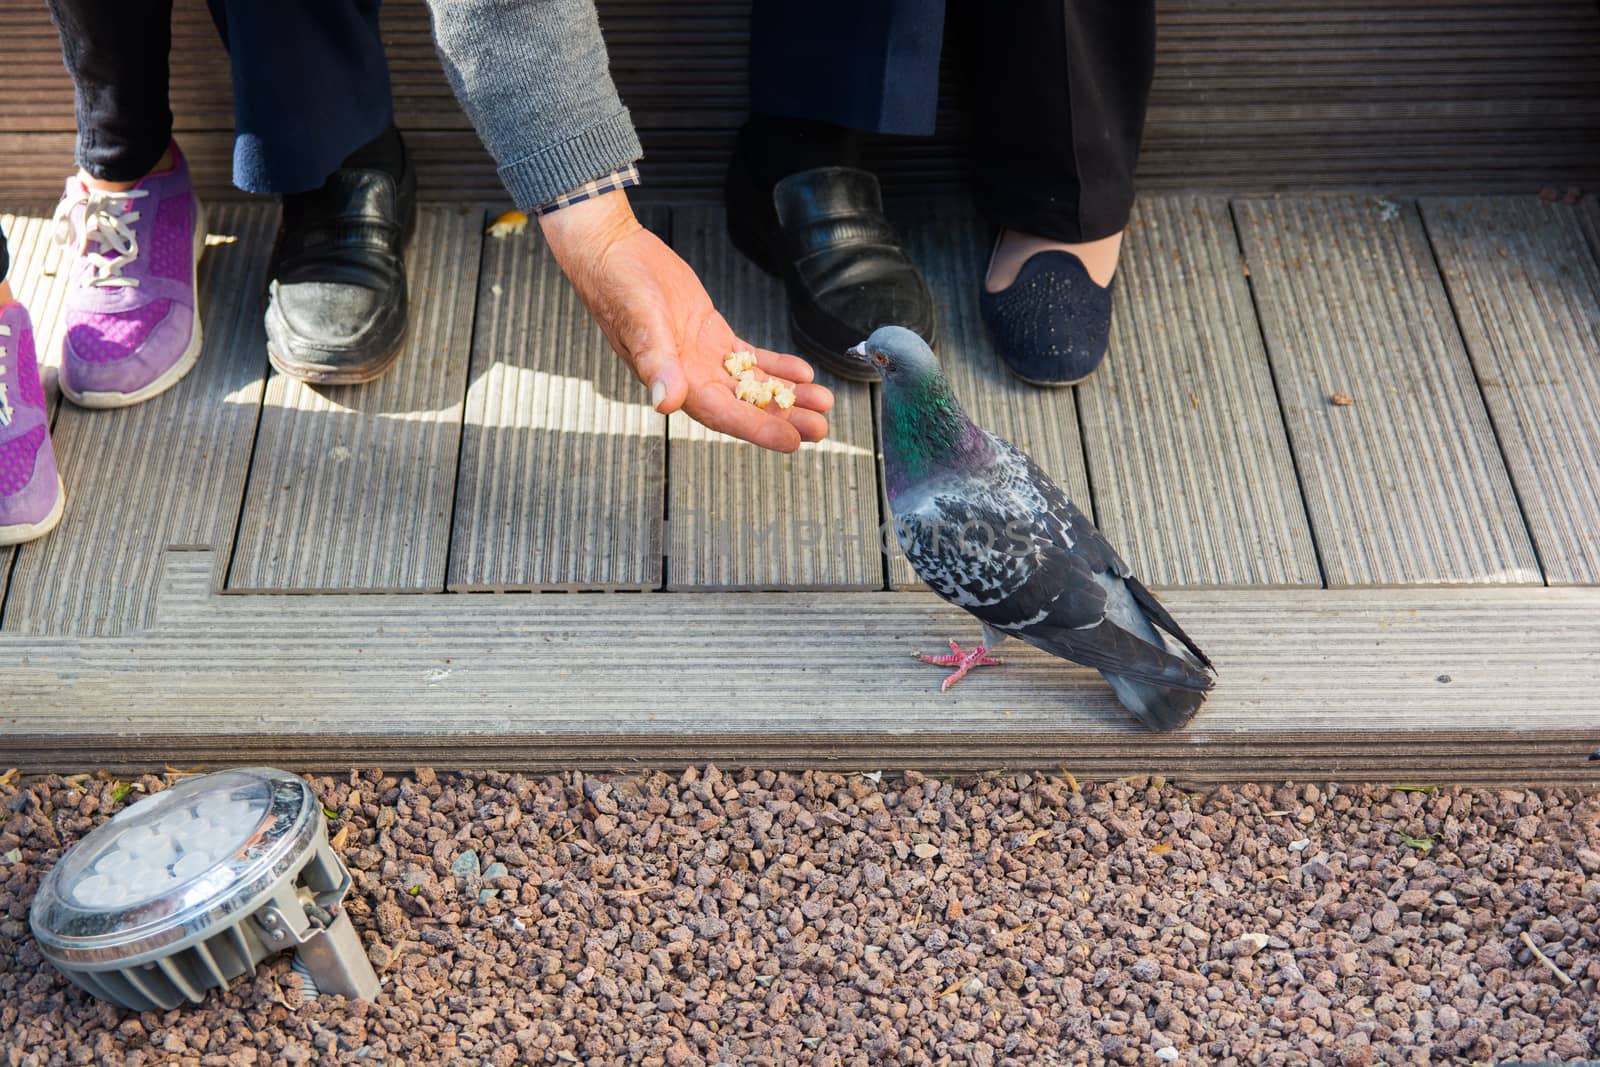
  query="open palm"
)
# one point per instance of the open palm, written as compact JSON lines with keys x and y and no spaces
{"x":659,"y":318}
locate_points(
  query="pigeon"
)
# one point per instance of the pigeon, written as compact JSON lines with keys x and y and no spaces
{"x":988,"y":531}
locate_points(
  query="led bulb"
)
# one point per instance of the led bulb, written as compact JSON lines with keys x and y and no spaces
{"x":164,"y":842}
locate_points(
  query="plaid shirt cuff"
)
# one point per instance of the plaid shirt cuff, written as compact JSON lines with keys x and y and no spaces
{"x":621,"y":178}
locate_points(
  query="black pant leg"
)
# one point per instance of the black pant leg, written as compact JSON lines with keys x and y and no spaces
{"x":117,"y":54}
{"x":5,"y":255}
{"x":1058,"y":105}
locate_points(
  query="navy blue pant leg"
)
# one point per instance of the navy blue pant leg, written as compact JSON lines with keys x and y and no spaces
{"x":1058,"y":92}
{"x":866,"y":64}
{"x":310,"y":86}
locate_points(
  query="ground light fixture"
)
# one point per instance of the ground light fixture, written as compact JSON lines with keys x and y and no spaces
{"x":192,"y":887}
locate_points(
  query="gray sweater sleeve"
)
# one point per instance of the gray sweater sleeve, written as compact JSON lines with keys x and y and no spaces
{"x":534,"y":78}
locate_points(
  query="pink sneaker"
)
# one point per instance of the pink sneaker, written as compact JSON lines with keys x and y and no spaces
{"x":31,"y":498}
{"x":132,"y":319}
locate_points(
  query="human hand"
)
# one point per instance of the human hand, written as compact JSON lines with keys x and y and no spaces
{"x":659,"y":318}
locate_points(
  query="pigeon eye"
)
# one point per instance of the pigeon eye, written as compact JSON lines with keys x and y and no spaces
{"x":880,"y":359}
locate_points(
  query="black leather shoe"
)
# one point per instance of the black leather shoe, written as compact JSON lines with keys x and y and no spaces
{"x":336,"y":304}
{"x":1052,"y":324}
{"x":824,"y":232}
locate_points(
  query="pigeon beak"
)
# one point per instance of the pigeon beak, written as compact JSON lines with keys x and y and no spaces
{"x":859,"y":351}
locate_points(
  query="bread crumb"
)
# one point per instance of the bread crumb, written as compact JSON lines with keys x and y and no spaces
{"x":738,"y":362}
{"x":752,"y":391}
{"x":512,"y":222}
{"x":1341,"y":400}
{"x":751,"y":388}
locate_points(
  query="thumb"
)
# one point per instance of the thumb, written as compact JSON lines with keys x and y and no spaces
{"x":658,"y":368}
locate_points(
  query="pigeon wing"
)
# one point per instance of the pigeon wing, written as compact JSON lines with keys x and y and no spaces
{"x":1097,"y":553}
{"x":1000,"y":548}
{"x":1012,"y":550}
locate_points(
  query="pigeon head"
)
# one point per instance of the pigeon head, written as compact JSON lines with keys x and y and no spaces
{"x":898,"y":355}
{"x":925,"y":431}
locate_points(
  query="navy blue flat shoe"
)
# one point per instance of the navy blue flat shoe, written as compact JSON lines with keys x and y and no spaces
{"x":1051,"y":324}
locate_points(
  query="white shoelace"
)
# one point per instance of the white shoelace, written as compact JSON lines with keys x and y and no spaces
{"x":5,"y":397}
{"x":107,"y":221}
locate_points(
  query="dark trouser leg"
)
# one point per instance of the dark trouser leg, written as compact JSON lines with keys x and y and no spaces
{"x":797,"y":202}
{"x":1058,"y":104}
{"x":117,"y":56}
{"x":5,"y":256}
{"x":315,"y":123}
{"x":866,"y":64}
{"x":821,"y":73}
{"x":310,"y":88}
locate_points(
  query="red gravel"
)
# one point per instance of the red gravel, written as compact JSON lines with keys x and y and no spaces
{"x":765,"y":919}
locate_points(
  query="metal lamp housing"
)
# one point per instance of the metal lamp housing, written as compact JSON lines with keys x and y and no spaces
{"x":191,"y":887}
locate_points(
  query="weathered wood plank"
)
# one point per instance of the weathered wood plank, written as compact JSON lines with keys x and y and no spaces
{"x":353,"y":486}
{"x":1405,"y":485}
{"x":170,"y":471}
{"x":563,"y":461}
{"x":740,"y":517}
{"x":950,"y":243}
{"x":1588,"y":212}
{"x":1193,"y":480}
{"x":1526,"y":292}
{"x":1479,"y":683}
{"x":39,"y":279}
{"x":41,"y":287}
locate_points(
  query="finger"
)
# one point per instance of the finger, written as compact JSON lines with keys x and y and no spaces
{"x":658,"y":368}
{"x":811,"y":425}
{"x":716,"y":408}
{"x":783,"y":365}
{"x":815,"y":397}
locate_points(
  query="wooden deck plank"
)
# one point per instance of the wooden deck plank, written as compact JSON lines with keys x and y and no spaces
{"x":353,"y":486}
{"x":740,"y":517}
{"x":170,"y":471}
{"x":1193,"y":479}
{"x":950,"y":243}
{"x":563,"y":460}
{"x":39,"y":279}
{"x":41,"y":287}
{"x":1406,"y":484}
{"x":1588,"y":212}
{"x":1479,"y":683}
{"x":1526,"y":291}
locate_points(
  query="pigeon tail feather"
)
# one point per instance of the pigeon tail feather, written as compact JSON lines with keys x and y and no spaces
{"x":1162,"y":618}
{"x":1110,"y":648}
{"x":1158,"y":707}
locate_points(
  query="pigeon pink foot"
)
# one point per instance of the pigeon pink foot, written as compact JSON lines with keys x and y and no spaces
{"x":961,"y":661}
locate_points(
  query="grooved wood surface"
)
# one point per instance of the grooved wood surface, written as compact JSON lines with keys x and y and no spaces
{"x":1406,"y":484}
{"x":169,"y":471}
{"x":563,"y":460}
{"x":950,"y":244}
{"x":1527,"y":293}
{"x":352,"y":486}
{"x":1466,"y":684}
{"x":1248,"y":95}
{"x":40,"y":287}
{"x":740,"y":517}
{"x":1588,"y":211}
{"x":1193,"y":479}
{"x":39,"y":279}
